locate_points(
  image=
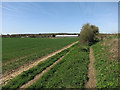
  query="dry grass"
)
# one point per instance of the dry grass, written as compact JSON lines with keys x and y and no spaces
{"x":113,"y":48}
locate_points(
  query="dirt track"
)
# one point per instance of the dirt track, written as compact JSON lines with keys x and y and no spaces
{"x":91,"y":73}
{"x":39,"y":75}
{"x":18,"y":71}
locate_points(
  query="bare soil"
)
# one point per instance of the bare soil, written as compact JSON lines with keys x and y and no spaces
{"x":16,"y":72}
{"x":91,"y":73}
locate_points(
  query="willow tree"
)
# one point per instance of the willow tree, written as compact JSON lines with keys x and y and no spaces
{"x":88,"y":33}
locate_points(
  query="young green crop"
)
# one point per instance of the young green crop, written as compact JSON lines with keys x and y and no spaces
{"x":69,"y":72}
{"x":19,"y":51}
{"x":31,"y":73}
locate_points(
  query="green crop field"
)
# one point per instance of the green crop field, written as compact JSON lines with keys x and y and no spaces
{"x":72,"y":69}
{"x":70,"y":72}
{"x":18,"y":51}
{"x":31,"y":73}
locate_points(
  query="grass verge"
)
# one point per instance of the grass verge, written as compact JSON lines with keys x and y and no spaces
{"x":106,"y":63}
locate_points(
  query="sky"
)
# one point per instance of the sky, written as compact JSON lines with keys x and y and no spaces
{"x":58,"y":17}
{"x":119,"y":18}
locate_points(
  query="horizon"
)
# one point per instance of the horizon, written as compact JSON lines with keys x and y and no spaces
{"x":62,"y":17}
{"x":49,"y":33}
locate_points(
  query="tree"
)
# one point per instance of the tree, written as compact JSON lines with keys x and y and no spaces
{"x":88,"y":33}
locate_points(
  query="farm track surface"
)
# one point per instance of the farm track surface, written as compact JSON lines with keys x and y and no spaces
{"x":39,"y":75}
{"x":91,"y":73}
{"x":6,"y":78}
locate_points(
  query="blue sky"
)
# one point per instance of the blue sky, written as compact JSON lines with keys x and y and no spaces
{"x":58,"y":17}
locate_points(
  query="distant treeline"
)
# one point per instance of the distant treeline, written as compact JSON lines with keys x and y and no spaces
{"x":101,"y":35}
{"x":38,"y":35}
